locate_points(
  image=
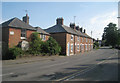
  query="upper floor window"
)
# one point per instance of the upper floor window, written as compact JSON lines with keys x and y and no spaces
{"x":82,"y":39}
{"x":71,"y":37}
{"x":85,"y":47}
{"x":91,"y":41}
{"x":43,"y":37}
{"x":86,"y":39}
{"x":78,"y":38}
{"x":23,"y":32}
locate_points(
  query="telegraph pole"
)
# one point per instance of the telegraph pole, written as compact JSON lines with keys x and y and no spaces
{"x":91,"y":33}
{"x":26,"y":11}
{"x":74,"y":18}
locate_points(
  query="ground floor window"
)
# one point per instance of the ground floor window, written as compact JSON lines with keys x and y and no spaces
{"x":85,"y":47}
{"x":82,"y":46}
{"x":77,"y":47}
{"x":89,"y":46}
{"x":71,"y":47}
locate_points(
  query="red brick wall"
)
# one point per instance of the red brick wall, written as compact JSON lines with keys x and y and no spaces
{"x":28,"y":34}
{"x":68,"y":40}
{"x":77,"y":43}
{"x":61,"y":39}
{"x":16,"y":38}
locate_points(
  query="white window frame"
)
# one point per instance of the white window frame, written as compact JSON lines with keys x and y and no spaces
{"x":86,"y":47}
{"x":72,"y":37}
{"x":71,"y":47}
{"x":78,"y":38}
{"x":78,"y":47}
{"x":23,"y":32}
{"x":43,"y":36}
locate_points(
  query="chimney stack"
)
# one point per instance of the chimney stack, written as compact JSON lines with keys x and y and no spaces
{"x":81,"y":29}
{"x":77,"y":28}
{"x":59,"y":21}
{"x":84,"y":31}
{"x":72,"y":25}
{"x":26,"y":19}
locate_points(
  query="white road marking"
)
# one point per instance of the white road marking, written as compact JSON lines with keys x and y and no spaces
{"x":82,"y":71}
{"x":6,"y":74}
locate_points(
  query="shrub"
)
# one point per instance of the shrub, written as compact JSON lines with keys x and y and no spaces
{"x":4,"y":50}
{"x":53,"y":46}
{"x":44,"y":48}
{"x":35,"y":44}
{"x":96,"y":45}
{"x":12,"y":53}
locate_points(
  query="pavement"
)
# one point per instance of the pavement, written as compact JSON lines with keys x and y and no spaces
{"x":101,"y":65}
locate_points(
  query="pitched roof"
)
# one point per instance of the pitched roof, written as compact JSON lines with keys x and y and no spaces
{"x":17,"y":23}
{"x":39,"y":30}
{"x":66,"y":29}
{"x":59,"y":29}
{"x":87,"y":35}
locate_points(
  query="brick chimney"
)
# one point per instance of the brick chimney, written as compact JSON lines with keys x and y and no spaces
{"x":59,"y":21}
{"x":77,"y":28}
{"x":81,"y":29}
{"x":72,"y":25}
{"x":84,"y":31}
{"x":26,"y":19}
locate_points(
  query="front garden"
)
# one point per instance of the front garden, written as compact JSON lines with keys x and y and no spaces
{"x":36,"y":48}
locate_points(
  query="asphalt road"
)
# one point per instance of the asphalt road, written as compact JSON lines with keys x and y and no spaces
{"x":96,"y":65}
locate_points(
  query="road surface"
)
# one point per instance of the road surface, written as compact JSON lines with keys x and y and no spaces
{"x":96,"y":65}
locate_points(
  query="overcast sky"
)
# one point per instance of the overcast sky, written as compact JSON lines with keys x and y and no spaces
{"x":92,"y":16}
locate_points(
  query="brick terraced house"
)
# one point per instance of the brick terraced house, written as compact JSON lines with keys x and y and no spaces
{"x":15,"y":31}
{"x":72,"y":39}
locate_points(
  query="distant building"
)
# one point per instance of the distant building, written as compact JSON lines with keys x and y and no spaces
{"x":72,"y":39}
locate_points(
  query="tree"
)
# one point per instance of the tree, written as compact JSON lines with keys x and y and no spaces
{"x":110,"y":35}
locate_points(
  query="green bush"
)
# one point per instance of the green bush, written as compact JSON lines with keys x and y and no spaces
{"x":44,"y":48}
{"x":4,"y":50}
{"x":35,"y":44}
{"x":96,"y":45}
{"x":53,"y":46}
{"x":12,"y":53}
